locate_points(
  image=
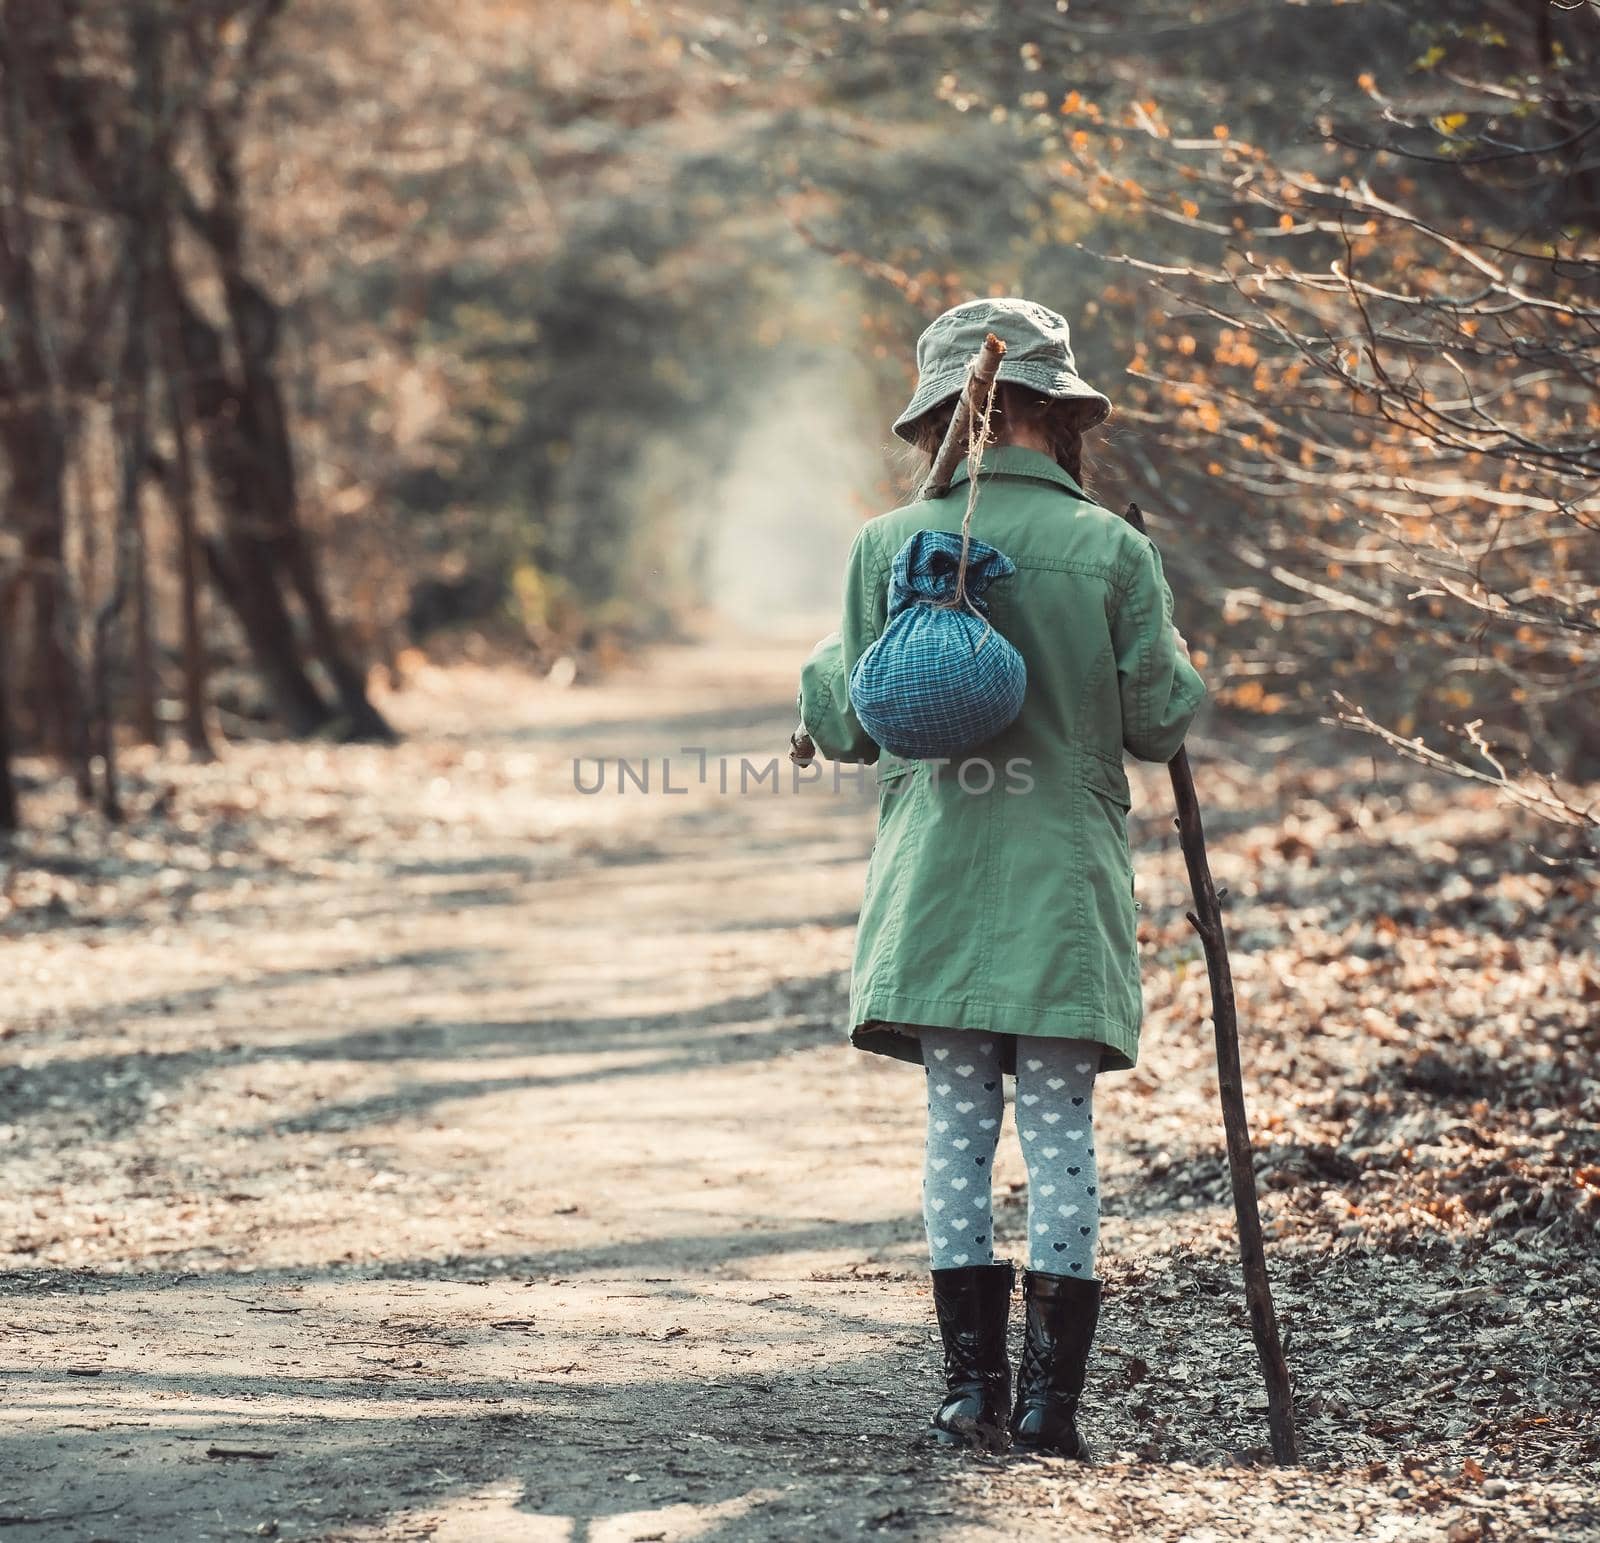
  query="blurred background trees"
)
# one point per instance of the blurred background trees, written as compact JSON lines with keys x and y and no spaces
{"x":1372,"y":341}
{"x":331,"y":331}
{"x":142,"y":363}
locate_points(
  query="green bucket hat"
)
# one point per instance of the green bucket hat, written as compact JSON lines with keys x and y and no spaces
{"x":1038,"y":355}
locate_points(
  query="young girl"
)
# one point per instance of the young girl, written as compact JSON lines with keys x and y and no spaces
{"x":997,"y":931}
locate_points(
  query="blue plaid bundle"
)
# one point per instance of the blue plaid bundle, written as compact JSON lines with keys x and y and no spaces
{"x":941,"y":680}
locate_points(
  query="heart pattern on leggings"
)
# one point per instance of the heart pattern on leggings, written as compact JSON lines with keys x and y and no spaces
{"x":1063,"y":1210}
{"x":967,"y":1102}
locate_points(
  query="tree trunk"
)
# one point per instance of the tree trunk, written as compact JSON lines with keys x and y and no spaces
{"x":146,"y":720}
{"x":32,"y":430}
{"x":253,"y":460}
{"x":10,"y":815}
{"x":263,"y":426}
{"x":180,"y":494}
{"x":243,"y":562}
{"x":248,"y":587}
{"x":132,"y":412}
{"x":37,"y":462}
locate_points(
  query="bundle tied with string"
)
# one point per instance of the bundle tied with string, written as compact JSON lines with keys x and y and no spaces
{"x":941,"y":681}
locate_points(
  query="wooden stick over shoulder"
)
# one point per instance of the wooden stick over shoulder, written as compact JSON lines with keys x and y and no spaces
{"x":980,"y":376}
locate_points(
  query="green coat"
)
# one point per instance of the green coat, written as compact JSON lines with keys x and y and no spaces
{"x":999,"y":893}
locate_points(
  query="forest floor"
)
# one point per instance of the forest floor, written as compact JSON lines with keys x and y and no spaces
{"x":402,"y":1144}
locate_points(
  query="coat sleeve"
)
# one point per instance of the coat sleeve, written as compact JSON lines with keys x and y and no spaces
{"x":825,"y":678}
{"x":1161,"y":691}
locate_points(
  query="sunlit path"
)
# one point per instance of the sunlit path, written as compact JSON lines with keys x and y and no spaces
{"x":486,"y":1157}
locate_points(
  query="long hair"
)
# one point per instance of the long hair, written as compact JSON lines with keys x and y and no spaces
{"x":1060,"y":424}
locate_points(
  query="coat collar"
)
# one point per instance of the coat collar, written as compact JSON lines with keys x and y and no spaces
{"x":1018,"y":461}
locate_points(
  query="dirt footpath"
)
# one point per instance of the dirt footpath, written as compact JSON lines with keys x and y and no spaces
{"x":404,"y":1144}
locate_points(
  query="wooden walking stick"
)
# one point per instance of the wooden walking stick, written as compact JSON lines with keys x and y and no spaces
{"x":1206,"y":919}
{"x":980,"y":380}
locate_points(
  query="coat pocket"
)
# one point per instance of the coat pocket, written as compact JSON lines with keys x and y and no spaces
{"x":1109,"y":781}
{"x":892,"y":767}
{"x":1108,"y":786}
{"x":896,"y":785}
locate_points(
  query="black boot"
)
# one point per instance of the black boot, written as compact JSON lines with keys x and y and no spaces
{"x":1062,"y":1311}
{"x":973,"y":1304}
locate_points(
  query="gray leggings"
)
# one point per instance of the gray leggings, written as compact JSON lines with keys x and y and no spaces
{"x":1055,"y":1118}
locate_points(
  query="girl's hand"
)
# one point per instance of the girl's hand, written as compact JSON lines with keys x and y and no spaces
{"x":1181,"y":641}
